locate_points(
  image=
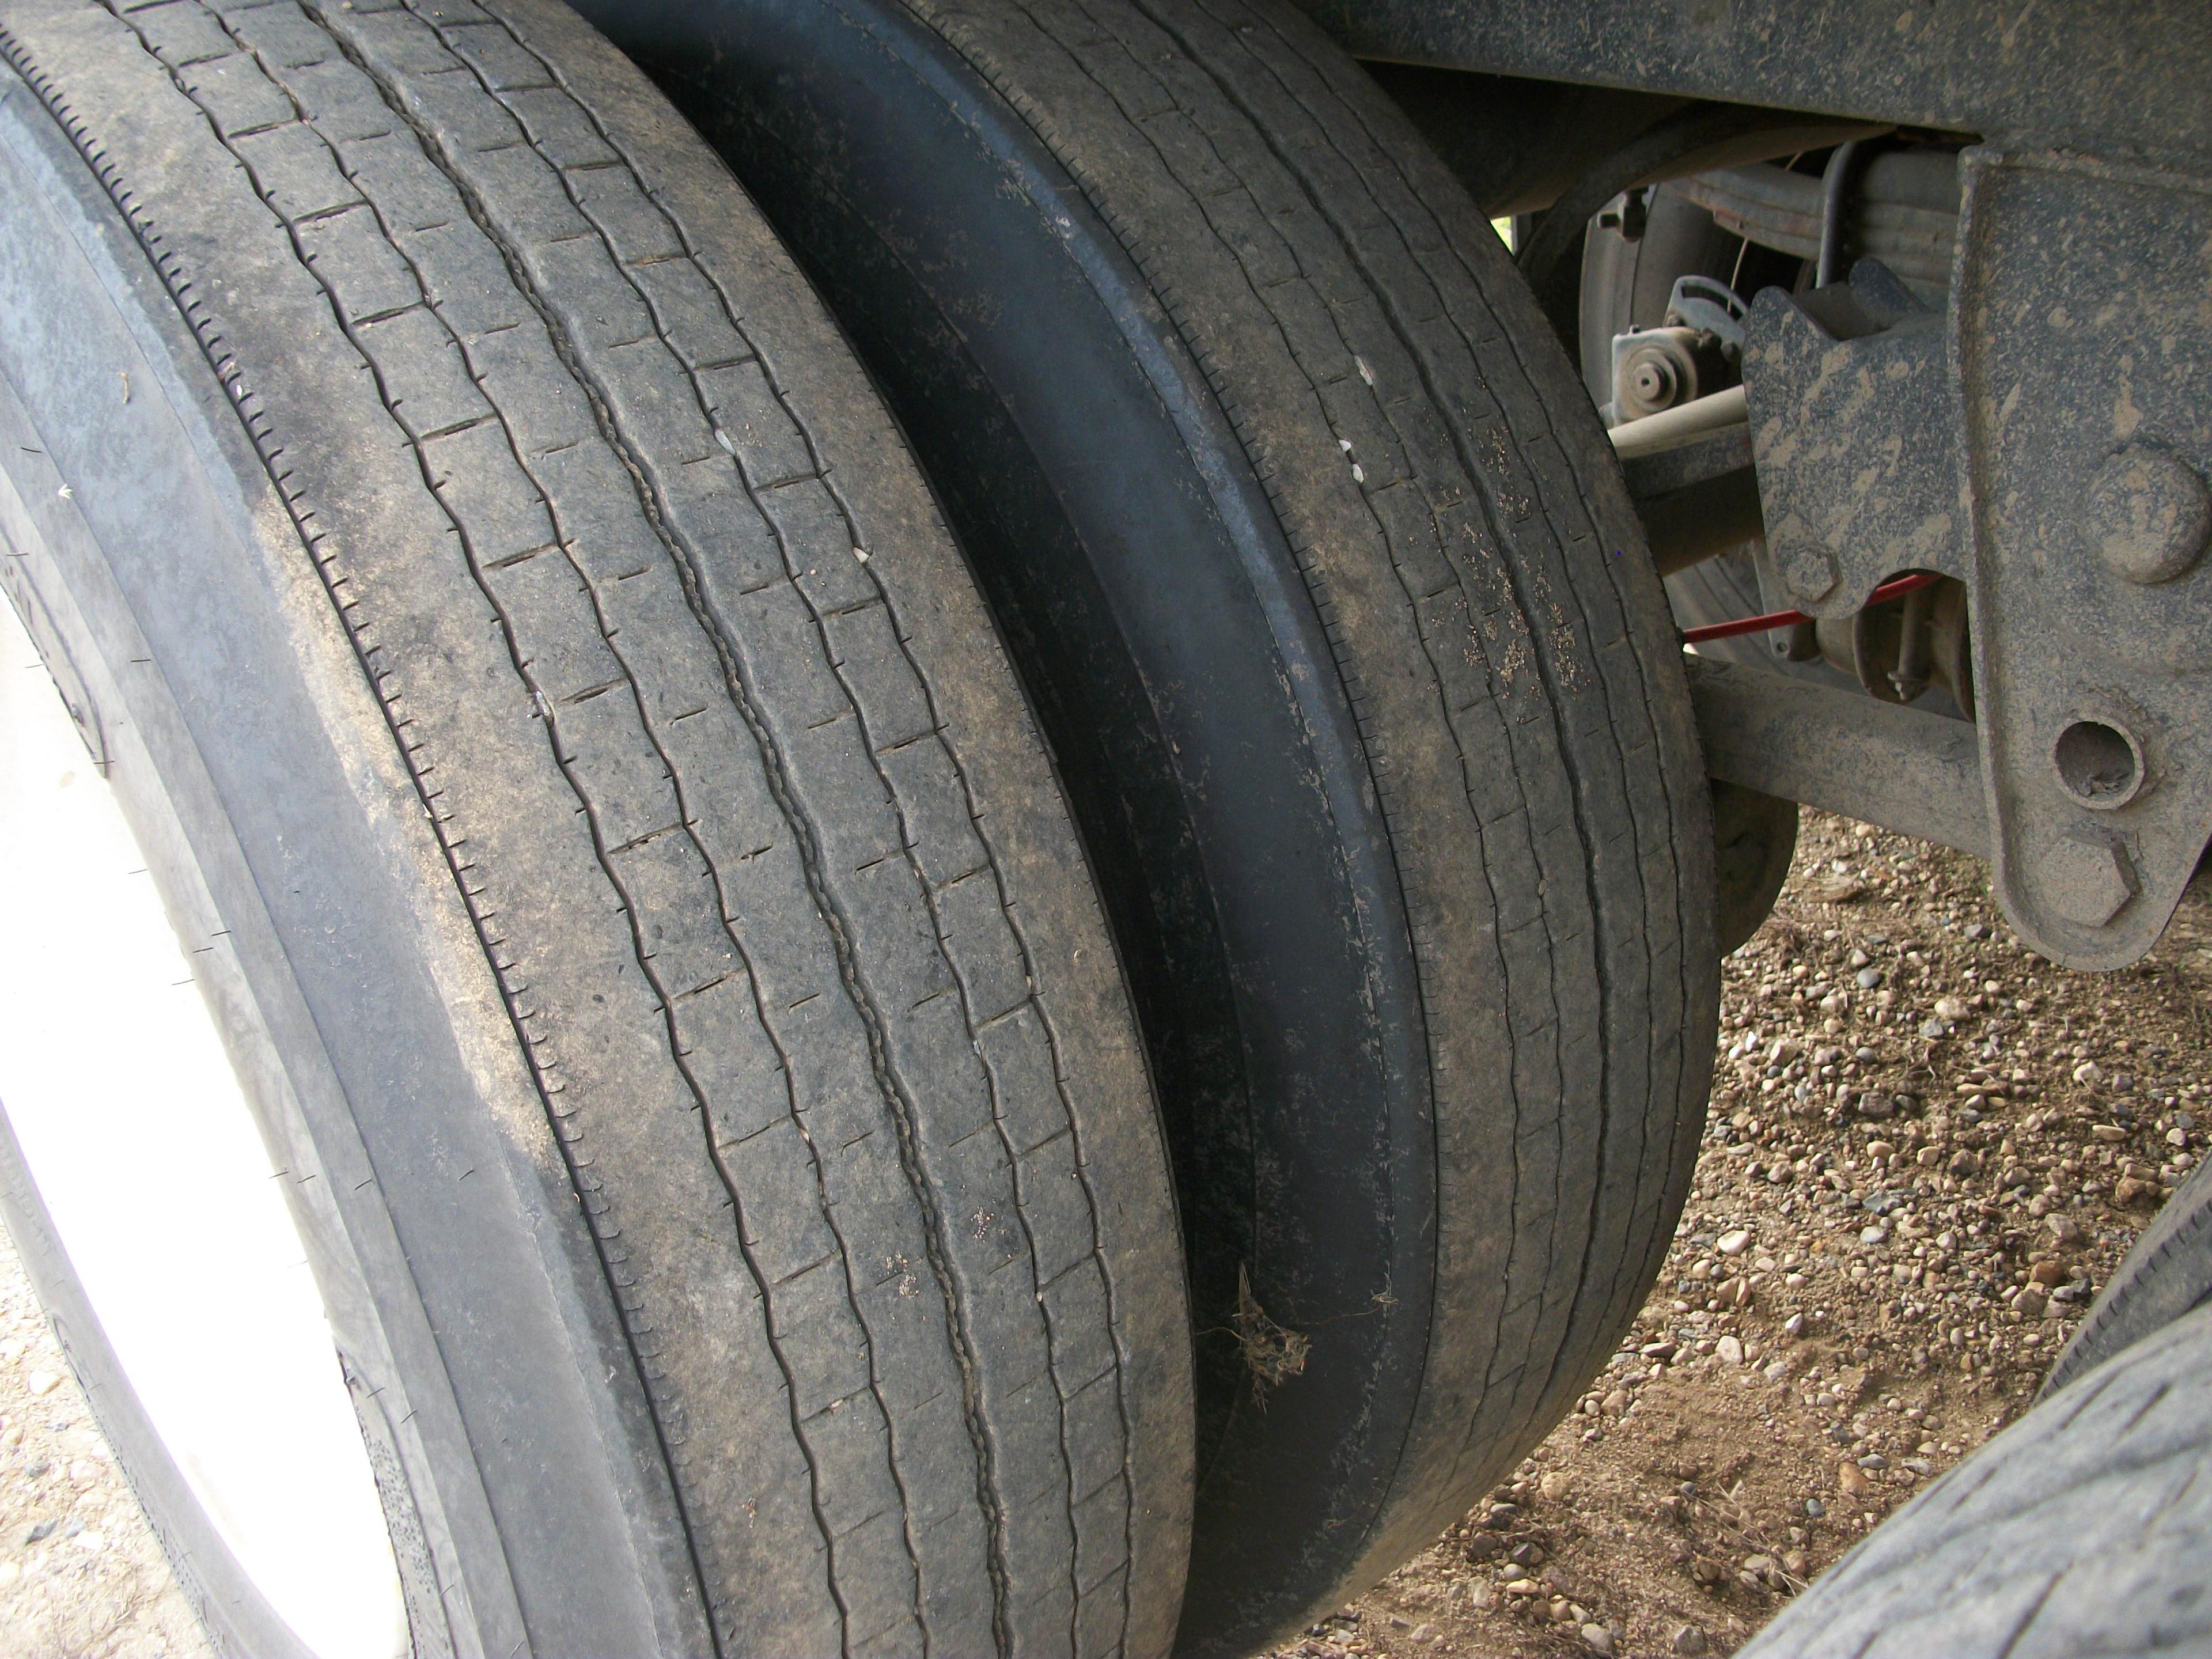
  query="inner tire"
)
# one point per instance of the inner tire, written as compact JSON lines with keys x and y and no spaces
{"x":633,"y":891}
{"x":1324,"y":581}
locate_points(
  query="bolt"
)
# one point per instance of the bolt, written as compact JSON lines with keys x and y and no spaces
{"x":1807,"y":568}
{"x":2087,"y":879}
{"x":2148,"y":513}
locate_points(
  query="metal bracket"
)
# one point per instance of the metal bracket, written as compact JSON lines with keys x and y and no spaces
{"x":2047,"y":440}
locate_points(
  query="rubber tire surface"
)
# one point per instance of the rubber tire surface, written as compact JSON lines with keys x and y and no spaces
{"x":1324,"y":579}
{"x":655,"y":925}
{"x":2167,"y":1275}
{"x":2084,"y":1529}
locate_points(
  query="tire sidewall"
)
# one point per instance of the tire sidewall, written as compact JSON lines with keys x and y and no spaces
{"x":170,"y":594}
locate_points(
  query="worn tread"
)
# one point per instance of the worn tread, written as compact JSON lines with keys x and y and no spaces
{"x":1509,"y":670}
{"x":807,"y":998}
{"x":2083,"y":1529}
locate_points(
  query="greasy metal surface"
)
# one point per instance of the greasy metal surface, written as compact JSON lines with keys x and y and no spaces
{"x":2119,"y":77}
{"x":1907,"y":770}
{"x":2083,"y":349}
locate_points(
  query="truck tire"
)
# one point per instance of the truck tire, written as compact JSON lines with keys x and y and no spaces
{"x":2084,"y":1529}
{"x":1325,"y":584}
{"x":609,"y":836}
{"x":2167,"y":1275}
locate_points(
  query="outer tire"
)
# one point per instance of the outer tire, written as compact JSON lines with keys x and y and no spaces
{"x":1325,"y":580}
{"x":2084,"y":1529}
{"x":2166,"y":1275}
{"x":455,"y":571}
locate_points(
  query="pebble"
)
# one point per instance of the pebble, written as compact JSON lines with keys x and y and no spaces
{"x":1950,"y":1010}
{"x":43,"y":1383}
{"x":1851,"y":1480}
{"x":1689,"y":1642}
{"x":1730,"y":1349}
{"x":2089,"y":1072}
{"x":2029,"y":1303}
{"x":1733,"y":1243}
{"x":1599,"y":1637}
{"x":2064,"y":1229}
{"x":1816,"y":1508}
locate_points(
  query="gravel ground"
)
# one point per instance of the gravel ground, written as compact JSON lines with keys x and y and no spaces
{"x":80,"y":1577}
{"x":1927,"y":1149}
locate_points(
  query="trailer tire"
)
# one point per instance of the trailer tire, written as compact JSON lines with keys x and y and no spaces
{"x":1329,"y":595}
{"x":634,"y":891}
{"x":2082,"y":1530}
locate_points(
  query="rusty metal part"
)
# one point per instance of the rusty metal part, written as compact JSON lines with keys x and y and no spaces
{"x":1906,"y":769}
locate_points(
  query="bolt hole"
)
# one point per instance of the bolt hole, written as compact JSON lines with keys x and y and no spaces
{"x":2099,"y":765}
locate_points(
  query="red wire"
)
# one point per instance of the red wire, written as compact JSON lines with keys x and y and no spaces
{"x":1774,"y":619}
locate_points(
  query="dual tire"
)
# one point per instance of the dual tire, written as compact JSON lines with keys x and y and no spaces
{"x":919,"y":998}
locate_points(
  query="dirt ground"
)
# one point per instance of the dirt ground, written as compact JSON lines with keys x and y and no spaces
{"x":1927,"y":1151}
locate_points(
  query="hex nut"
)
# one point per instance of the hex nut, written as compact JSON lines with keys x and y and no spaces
{"x":2087,"y":879}
{"x":2148,"y":514}
{"x":1806,"y":568}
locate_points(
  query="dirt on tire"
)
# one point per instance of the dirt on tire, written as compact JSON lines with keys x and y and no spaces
{"x":1692,"y":1492}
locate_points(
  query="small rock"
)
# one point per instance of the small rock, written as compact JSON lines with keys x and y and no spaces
{"x":1730,"y":1349}
{"x":43,"y":1383}
{"x":2089,"y":1072}
{"x":1501,"y":1516}
{"x":1423,"y":1634}
{"x":2029,"y":1303}
{"x":1950,"y":1010}
{"x":1657,"y":1350}
{"x":1931,"y":1028}
{"x":1481,"y":1596}
{"x":2064,"y":1229}
{"x":1689,"y":1642}
{"x":1869,"y":978}
{"x":1599,"y":1638}
{"x":1556,"y":1485}
{"x":1614,"y":1403}
{"x":2108,"y":1132}
{"x":41,"y":1532}
{"x":1874,"y":1460}
{"x":1733,"y":1243}
{"x":1816,"y":1508}
{"x":1850,"y":1480}
{"x":10,"y":1573}
{"x":2047,"y":1273}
